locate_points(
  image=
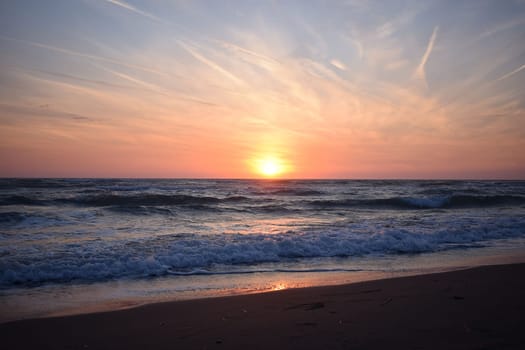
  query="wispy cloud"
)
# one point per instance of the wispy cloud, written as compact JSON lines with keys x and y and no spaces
{"x":385,"y":30}
{"x":420,"y":70}
{"x":359,"y":48}
{"x":156,"y":88}
{"x":136,"y":81}
{"x":128,"y":7}
{"x":40,"y":111}
{"x":250,"y":56}
{"x":209,"y":62}
{"x":508,"y":75}
{"x":84,"y":55}
{"x":501,"y":27}
{"x":101,"y":83}
{"x":338,"y":64}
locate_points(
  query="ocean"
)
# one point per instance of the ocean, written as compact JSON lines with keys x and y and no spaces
{"x":80,"y":245}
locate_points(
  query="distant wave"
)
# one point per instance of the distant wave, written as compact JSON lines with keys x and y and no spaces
{"x":141,"y":210}
{"x":438,"y":183}
{"x":22,"y":221}
{"x":147,"y":199}
{"x":53,"y":183}
{"x":272,"y":208}
{"x":445,"y":202}
{"x":31,"y":183}
{"x":484,"y":201}
{"x":11,"y":217}
{"x":21,"y":200}
{"x":137,"y":202}
{"x":290,"y":192}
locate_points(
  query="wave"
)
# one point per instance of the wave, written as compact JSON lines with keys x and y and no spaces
{"x":485,"y":201}
{"x":290,"y":192}
{"x":100,"y":260}
{"x":32,"y":183}
{"x":207,"y":272}
{"x":106,"y":200}
{"x":11,"y":217}
{"x":444,"y":202}
{"x":17,"y":223}
{"x":141,"y":210}
{"x":272,"y":209}
{"x":21,"y":200}
{"x":144,"y":202}
{"x":438,"y":191}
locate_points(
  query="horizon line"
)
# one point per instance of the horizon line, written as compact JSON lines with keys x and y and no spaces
{"x":256,"y":178}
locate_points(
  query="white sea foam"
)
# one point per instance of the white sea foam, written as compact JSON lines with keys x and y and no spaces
{"x":98,"y":260}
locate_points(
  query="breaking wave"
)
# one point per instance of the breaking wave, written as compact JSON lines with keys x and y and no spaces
{"x":445,"y":202}
{"x":185,"y":254}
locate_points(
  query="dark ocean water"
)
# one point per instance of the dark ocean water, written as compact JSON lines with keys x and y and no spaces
{"x":63,"y":231}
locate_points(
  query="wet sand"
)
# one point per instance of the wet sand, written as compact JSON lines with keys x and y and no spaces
{"x":479,"y":308}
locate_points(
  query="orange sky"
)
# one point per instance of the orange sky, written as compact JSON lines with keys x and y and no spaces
{"x":338,"y":90}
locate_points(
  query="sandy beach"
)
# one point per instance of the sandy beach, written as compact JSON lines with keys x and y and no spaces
{"x":478,"y":308}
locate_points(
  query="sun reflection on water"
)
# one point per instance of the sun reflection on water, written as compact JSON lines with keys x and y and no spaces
{"x":279,"y":286}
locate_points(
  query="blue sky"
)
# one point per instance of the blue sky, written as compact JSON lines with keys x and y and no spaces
{"x":208,"y":88}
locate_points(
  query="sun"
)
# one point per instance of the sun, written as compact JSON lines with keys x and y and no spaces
{"x":269,"y":167}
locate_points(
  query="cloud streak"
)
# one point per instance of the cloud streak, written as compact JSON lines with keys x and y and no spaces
{"x":84,"y":55}
{"x":508,"y":75}
{"x":41,"y":111}
{"x":420,"y":70}
{"x":209,"y":62}
{"x":502,"y":27}
{"x":338,"y":64}
{"x":128,"y":7}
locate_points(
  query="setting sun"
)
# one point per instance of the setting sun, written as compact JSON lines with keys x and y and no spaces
{"x":269,"y":167}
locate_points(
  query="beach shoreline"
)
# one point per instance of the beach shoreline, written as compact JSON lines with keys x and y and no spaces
{"x":57,"y":300}
{"x":480,"y":307}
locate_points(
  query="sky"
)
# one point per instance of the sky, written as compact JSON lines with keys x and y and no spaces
{"x":226,"y":89}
